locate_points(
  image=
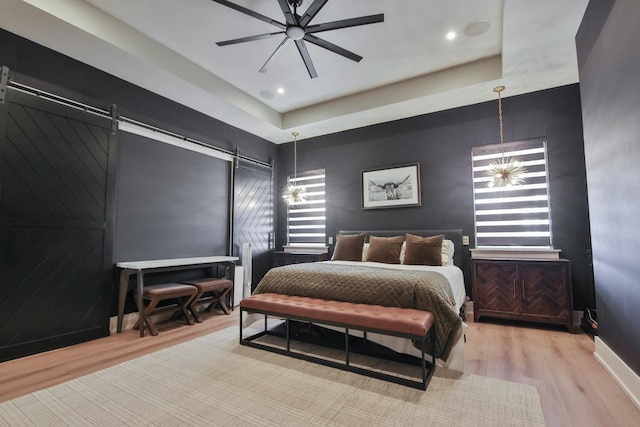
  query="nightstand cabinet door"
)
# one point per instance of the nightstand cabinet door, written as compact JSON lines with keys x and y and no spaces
{"x":544,"y":290}
{"x":530,"y":290}
{"x":495,"y":289}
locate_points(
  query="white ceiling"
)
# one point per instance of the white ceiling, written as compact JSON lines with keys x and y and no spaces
{"x":409,"y":67}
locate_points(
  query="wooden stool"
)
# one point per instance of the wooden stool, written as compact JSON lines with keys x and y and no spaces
{"x":182,"y":292}
{"x":219,"y":289}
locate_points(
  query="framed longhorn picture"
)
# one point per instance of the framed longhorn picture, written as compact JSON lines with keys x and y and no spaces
{"x":395,"y":187}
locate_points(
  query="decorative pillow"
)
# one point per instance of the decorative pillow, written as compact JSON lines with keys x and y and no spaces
{"x":385,"y":249}
{"x":349,"y":247}
{"x":448,"y":249}
{"x":423,"y":250}
{"x":365,"y":248}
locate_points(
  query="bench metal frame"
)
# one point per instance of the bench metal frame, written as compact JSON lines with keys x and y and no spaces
{"x":428,"y":368}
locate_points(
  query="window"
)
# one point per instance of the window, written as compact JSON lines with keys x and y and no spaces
{"x":306,"y":220}
{"x":517,"y":216}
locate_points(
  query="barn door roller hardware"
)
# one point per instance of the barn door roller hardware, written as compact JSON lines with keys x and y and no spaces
{"x":115,"y":114}
{"x":5,"y":76}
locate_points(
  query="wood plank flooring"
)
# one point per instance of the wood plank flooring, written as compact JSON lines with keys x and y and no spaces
{"x":575,"y":389}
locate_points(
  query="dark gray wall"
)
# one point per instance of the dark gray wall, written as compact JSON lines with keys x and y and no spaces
{"x":441,"y":142}
{"x":171,"y":202}
{"x":609,"y":62}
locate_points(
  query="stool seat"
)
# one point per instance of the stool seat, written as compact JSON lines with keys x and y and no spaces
{"x":217,"y":290}
{"x":169,"y":290}
{"x":184,"y":293}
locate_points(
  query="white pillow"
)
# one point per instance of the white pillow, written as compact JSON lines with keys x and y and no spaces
{"x":365,"y":248}
{"x":447,"y":252}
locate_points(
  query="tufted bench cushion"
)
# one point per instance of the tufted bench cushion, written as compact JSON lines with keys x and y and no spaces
{"x":373,"y":317}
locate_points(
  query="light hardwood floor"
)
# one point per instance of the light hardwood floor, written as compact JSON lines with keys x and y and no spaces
{"x":575,"y":389}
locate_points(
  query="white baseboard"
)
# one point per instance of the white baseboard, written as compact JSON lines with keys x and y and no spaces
{"x":621,"y":373}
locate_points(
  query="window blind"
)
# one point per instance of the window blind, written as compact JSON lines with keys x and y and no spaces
{"x":517,"y":216}
{"x":306,"y":220}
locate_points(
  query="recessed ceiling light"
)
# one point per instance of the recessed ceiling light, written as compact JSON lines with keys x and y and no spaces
{"x":280,"y":90}
{"x":477,"y":27}
{"x":451,"y":35}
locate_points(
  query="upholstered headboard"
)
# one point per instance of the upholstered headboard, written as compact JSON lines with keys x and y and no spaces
{"x":454,"y":235}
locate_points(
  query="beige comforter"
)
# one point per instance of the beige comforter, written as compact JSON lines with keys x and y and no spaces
{"x":423,"y":290}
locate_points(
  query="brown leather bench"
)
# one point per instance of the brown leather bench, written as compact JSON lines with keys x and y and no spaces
{"x":181,"y":292}
{"x":211,"y":290}
{"x":401,"y":322}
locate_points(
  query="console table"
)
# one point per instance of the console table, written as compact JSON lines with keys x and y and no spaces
{"x":140,"y":268}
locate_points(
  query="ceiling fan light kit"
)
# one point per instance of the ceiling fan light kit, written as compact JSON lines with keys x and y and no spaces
{"x":297,"y":28}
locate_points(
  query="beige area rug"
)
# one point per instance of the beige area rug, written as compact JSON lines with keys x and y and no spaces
{"x":213,"y":381}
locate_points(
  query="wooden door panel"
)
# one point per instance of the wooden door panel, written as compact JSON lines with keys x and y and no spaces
{"x":496,"y":287}
{"x":544,"y":290}
{"x":253,"y":217}
{"x":56,"y":174}
{"x":54,"y":171}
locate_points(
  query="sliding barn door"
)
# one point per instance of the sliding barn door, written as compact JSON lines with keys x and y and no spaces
{"x":56,"y":172}
{"x":253,"y":216}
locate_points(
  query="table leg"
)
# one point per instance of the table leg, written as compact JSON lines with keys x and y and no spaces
{"x":140,"y":287}
{"x":232,"y":276}
{"x":122,"y":295}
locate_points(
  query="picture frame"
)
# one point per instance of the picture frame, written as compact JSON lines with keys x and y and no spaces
{"x":391,"y":187}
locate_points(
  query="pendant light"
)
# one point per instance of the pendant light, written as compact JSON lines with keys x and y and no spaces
{"x":294,"y":193}
{"x":506,"y":172}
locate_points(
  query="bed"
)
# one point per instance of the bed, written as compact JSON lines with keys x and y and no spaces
{"x":370,"y":274}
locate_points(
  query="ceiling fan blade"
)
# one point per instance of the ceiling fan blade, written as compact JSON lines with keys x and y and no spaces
{"x":266,"y":65}
{"x":286,"y":10}
{"x":304,"y":53}
{"x":251,"y":13}
{"x":345,"y":23}
{"x":248,"y":39}
{"x":332,"y":47}
{"x":312,"y":11}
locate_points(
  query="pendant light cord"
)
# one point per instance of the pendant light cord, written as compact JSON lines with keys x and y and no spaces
{"x":295,"y":156}
{"x":499,"y":89}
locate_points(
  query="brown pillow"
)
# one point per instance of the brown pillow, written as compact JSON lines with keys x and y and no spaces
{"x":385,"y":249}
{"x":423,"y":250}
{"x":349,"y":247}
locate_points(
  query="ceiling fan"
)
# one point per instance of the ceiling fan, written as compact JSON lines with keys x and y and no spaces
{"x":297,"y":28}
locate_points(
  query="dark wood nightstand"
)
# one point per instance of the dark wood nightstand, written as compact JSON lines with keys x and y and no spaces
{"x":531,"y":290}
{"x":281,"y":258}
